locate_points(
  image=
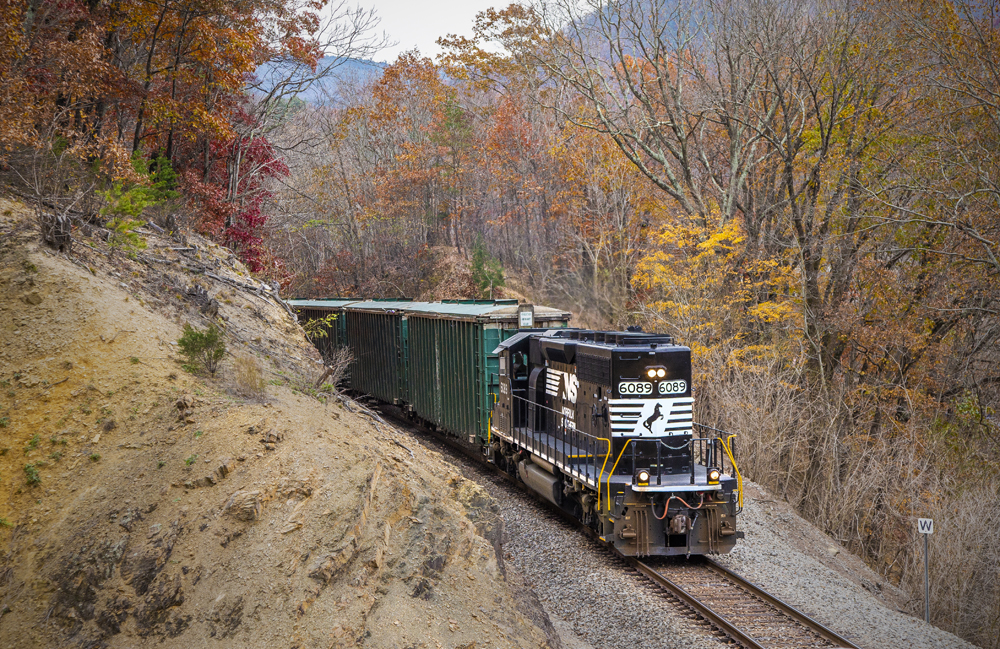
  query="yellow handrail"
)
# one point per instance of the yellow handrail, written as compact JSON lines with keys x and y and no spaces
{"x":489,"y":423}
{"x":613,"y":471}
{"x":606,"y":456}
{"x":736,"y":469}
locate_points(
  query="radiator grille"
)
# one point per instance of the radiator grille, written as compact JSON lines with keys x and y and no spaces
{"x":593,"y":369}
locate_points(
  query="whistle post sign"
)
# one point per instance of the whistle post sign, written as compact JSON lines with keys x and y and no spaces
{"x":925,"y":526}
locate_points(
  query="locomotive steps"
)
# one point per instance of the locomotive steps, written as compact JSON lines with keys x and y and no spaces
{"x":164,"y":509}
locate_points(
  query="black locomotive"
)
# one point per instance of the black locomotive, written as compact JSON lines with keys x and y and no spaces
{"x":600,"y":424}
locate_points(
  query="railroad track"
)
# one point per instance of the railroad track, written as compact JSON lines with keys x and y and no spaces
{"x":745,"y":613}
{"x":737,"y":609}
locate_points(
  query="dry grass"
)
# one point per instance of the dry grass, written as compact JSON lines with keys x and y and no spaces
{"x":249,"y":378}
{"x":866,"y":490}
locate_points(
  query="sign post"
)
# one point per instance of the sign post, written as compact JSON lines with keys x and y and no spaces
{"x":925,"y":526}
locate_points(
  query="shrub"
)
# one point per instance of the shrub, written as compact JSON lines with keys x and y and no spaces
{"x":123,"y":236}
{"x":32,"y":444}
{"x":31,"y":475}
{"x":487,"y":273}
{"x":337,"y":364}
{"x":317,"y":328}
{"x":202,"y":348}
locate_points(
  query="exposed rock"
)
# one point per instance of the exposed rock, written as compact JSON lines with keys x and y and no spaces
{"x":164,"y":595}
{"x":226,"y":616}
{"x":271,"y":438}
{"x":142,"y":565}
{"x":211,"y":308}
{"x":80,"y":574}
{"x":111,"y":618}
{"x":206,"y":481}
{"x":226,"y":466}
{"x":29,"y":381}
{"x":245,"y":505}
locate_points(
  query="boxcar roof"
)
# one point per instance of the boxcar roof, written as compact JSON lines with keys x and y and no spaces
{"x":500,"y":311}
{"x":472,"y":310}
{"x":380,"y":305}
{"x":319,"y":304}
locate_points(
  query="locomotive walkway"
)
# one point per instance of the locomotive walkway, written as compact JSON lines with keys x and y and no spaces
{"x":740,"y":610}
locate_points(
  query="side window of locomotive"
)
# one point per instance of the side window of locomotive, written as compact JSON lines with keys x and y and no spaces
{"x":503,"y":364}
{"x":520,"y":367}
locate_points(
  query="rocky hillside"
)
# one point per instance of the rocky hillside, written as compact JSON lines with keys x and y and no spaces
{"x":143,"y":505}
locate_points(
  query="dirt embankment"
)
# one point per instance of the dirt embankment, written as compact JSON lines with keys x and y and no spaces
{"x":146,"y":506}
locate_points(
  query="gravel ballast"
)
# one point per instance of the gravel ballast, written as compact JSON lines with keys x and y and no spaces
{"x":588,"y":593}
{"x":594,"y":602}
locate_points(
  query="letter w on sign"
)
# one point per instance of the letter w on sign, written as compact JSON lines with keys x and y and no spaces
{"x":925,"y":525}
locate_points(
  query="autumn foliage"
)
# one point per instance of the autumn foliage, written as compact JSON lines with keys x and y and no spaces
{"x":804,"y":193}
{"x":97,"y":82}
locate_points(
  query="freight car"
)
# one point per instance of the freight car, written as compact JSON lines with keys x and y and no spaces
{"x":598,"y":423}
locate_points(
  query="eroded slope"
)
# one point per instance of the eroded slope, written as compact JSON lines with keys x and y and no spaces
{"x":161,"y":509}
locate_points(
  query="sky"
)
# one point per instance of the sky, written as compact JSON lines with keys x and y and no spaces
{"x":418,"y":23}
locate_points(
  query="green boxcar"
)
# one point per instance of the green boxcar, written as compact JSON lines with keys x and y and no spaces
{"x":336,"y":333}
{"x":376,"y":334}
{"x":434,"y":358}
{"x":451,"y":371}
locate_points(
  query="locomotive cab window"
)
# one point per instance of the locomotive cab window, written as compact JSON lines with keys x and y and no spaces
{"x":519,"y":367}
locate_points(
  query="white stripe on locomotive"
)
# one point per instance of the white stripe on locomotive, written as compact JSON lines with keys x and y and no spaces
{"x":629,"y":416}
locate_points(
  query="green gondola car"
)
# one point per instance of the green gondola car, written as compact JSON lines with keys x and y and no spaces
{"x":435,"y":359}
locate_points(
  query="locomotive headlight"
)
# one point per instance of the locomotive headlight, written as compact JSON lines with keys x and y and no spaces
{"x":714,"y":475}
{"x":651,"y":373}
{"x":643,"y":477}
{"x":661,"y":373}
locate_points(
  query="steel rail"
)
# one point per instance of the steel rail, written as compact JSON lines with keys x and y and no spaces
{"x":721,"y":623}
{"x":787,"y":609}
{"x":726,"y":626}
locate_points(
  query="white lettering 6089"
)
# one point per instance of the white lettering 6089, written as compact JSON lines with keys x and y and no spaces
{"x":679,"y":386}
{"x":635,"y":387}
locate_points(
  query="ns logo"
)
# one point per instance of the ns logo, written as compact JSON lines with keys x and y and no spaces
{"x":568,"y":384}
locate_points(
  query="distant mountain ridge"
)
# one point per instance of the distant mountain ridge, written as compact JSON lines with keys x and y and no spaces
{"x":342,"y":69}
